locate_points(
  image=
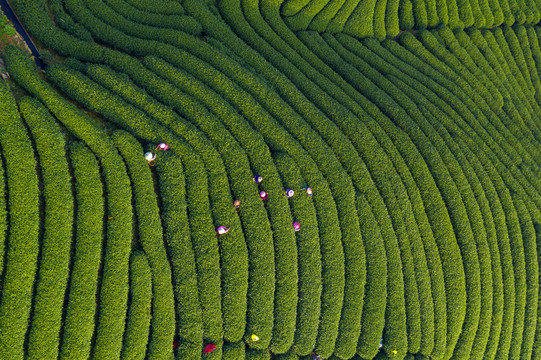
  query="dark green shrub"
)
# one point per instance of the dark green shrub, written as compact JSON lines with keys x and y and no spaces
{"x":150,"y":230}
{"x":139,"y":317}
{"x":114,"y":286}
{"x":172,"y":188}
{"x":23,"y":239}
{"x":57,"y":230}
{"x":81,"y":306}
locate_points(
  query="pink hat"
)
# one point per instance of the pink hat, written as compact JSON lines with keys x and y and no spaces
{"x":296,"y":226}
{"x":263,"y":195}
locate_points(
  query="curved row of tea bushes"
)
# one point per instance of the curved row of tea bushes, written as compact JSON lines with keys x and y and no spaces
{"x":266,"y":296}
{"x":479,"y":61}
{"x":3,"y":217}
{"x":233,"y":251}
{"x":483,"y":249}
{"x":114,"y":285}
{"x":422,"y":275}
{"x":387,"y":18}
{"x":117,"y":111}
{"x":166,"y":7}
{"x":457,"y":209}
{"x":151,"y":238}
{"x":177,"y":22}
{"x":22,"y":245}
{"x":174,"y":212}
{"x":43,"y":339}
{"x":375,"y":302}
{"x":309,"y":255}
{"x":234,"y":350}
{"x":510,"y":212}
{"x":81,"y":305}
{"x":520,"y":283}
{"x":138,"y":319}
{"x":494,"y":120}
{"x":435,"y":75}
{"x":66,"y":22}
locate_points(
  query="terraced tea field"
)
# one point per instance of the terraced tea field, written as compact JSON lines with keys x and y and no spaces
{"x":272,"y":179}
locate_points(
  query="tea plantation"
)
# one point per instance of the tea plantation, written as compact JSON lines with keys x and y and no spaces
{"x":272,"y":179}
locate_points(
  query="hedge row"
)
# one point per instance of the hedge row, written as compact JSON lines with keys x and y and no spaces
{"x":172,"y":189}
{"x":3,"y":217}
{"x":353,"y":249}
{"x":81,"y":306}
{"x":309,"y":257}
{"x":150,"y":236}
{"x":457,"y":210}
{"x":22,"y":244}
{"x":505,"y":257}
{"x":233,"y":252}
{"x":381,"y":18}
{"x":375,"y":303}
{"x":519,"y":269}
{"x":166,"y":7}
{"x":43,"y":339}
{"x":440,"y":75}
{"x":138,"y":319}
{"x":117,"y":111}
{"x":114,"y":287}
{"x":234,"y":350}
{"x":66,"y":22}
{"x":199,"y":18}
{"x":285,"y":302}
{"x":177,"y":22}
{"x":472,"y":177}
{"x":532,"y":278}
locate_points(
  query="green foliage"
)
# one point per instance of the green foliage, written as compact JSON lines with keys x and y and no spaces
{"x":81,"y":306}
{"x":177,"y":22}
{"x":114,"y":287}
{"x":23,"y":240}
{"x":166,"y":7}
{"x":172,"y":187}
{"x":138,"y":320}
{"x":309,"y":255}
{"x":405,"y":12}
{"x":57,"y":230}
{"x":150,"y":232}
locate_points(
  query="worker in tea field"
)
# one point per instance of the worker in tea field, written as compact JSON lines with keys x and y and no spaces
{"x":209,"y":348}
{"x":150,"y":157}
{"x":257,"y":179}
{"x":296,"y":226}
{"x":308,"y":190}
{"x":162,"y":146}
{"x":289,"y":193}
{"x":263,"y":195}
{"x":222,"y":230}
